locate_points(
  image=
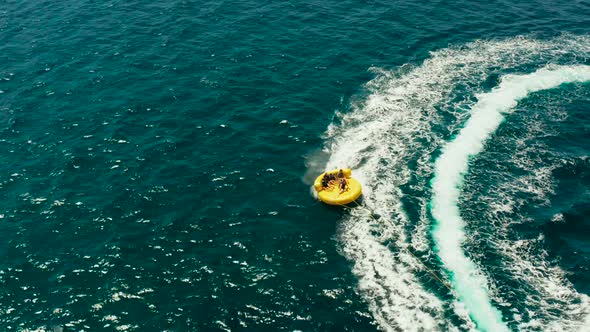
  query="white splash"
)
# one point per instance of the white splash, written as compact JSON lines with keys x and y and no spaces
{"x":400,"y":122}
{"x":450,"y":167}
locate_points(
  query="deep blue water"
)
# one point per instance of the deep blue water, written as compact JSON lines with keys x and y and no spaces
{"x":157,"y":159}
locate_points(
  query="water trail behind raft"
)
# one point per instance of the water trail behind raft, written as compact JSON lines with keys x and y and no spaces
{"x":450,"y":167}
{"x":389,"y":139}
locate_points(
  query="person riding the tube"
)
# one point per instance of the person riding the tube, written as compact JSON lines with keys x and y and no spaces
{"x":325,"y":181}
{"x":343,"y":185}
{"x":330,"y":179}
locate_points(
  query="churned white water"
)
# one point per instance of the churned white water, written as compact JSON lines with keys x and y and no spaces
{"x":450,"y":167}
{"x":390,"y":138}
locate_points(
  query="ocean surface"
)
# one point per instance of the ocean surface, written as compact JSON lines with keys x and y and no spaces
{"x":157,"y":160}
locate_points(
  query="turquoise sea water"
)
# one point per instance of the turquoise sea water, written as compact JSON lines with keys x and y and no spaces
{"x":157,"y":160}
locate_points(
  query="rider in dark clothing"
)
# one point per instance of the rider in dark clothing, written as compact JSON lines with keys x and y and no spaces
{"x":325,"y":181}
{"x":342,"y":185}
{"x":329,"y":177}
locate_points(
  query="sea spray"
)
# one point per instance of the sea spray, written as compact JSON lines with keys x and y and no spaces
{"x":450,"y":168}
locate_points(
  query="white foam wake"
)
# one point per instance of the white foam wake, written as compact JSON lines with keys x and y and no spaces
{"x":376,"y":140}
{"x":450,"y":167}
{"x":388,"y":138}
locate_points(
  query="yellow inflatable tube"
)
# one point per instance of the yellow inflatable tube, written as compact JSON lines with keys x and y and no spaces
{"x":332,"y":195}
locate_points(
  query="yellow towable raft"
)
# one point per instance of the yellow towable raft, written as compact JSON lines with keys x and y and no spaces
{"x":332,"y":193}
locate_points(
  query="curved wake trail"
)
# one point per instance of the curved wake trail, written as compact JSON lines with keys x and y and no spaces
{"x":469,"y":283}
{"x":389,"y":137}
